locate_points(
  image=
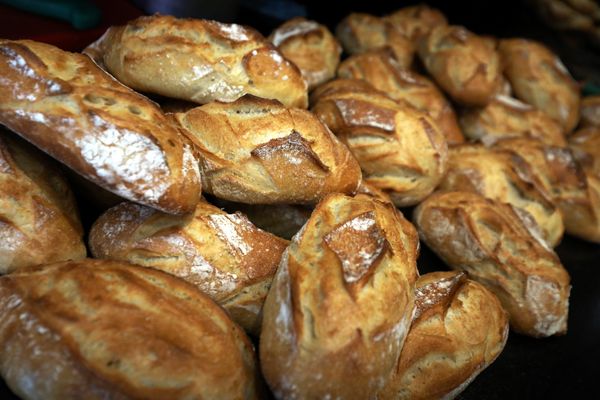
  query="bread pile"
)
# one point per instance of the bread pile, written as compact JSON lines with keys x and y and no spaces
{"x":240,"y":209}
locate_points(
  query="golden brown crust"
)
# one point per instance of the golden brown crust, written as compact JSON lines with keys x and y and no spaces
{"x":224,"y":255}
{"x":503,"y":175}
{"x":585,"y":145}
{"x":505,"y":117}
{"x":257,"y":151}
{"x":198,"y":60}
{"x":459,"y":330}
{"x":176,"y":343}
{"x":309,"y":45}
{"x":590,"y":111}
{"x":343,"y":296}
{"x":400,"y":149}
{"x":39,"y":221}
{"x":415,"y":22}
{"x":539,"y":78}
{"x":382,"y":71}
{"x":466,"y":66}
{"x":489,"y":241}
{"x":359,"y":32}
{"x":118,"y":139}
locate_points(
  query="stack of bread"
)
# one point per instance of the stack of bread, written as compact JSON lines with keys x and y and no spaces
{"x":297,"y":245}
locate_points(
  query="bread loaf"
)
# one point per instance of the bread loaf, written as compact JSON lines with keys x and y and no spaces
{"x":343,"y":296}
{"x":223,"y":255}
{"x":506,"y":117}
{"x":198,"y":60}
{"x":590,"y":111}
{"x":415,"y":22}
{"x":585,"y":144}
{"x":71,"y":109}
{"x":97,"y":329}
{"x":310,"y":46}
{"x":466,"y":66}
{"x":380,"y":69}
{"x":257,"y":151}
{"x":539,"y":78}
{"x":489,"y":241}
{"x":459,"y":329}
{"x":504,"y":176}
{"x":401,"y":150}
{"x":39,"y":221}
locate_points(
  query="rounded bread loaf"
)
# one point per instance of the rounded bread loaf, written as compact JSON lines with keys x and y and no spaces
{"x":415,"y":22}
{"x":68,"y":107}
{"x":341,"y":302}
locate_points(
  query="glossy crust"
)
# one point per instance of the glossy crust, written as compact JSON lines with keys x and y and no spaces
{"x":67,"y":106}
{"x":360,"y":32}
{"x":198,"y":60}
{"x":539,"y":78}
{"x":64,"y":337}
{"x":505,"y":117}
{"x":466,"y":66}
{"x":39,"y":221}
{"x":401,"y":150}
{"x":415,"y":22}
{"x":382,"y":71}
{"x":489,"y":241}
{"x":585,"y":144}
{"x":343,"y":296}
{"x":590,"y":111}
{"x":309,"y":45}
{"x":504,"y":176}
{"x":223,"y":255}
{"x":257,"y":151}
{"x":459,"y":329}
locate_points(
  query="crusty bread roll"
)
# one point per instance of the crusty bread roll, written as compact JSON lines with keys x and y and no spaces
{"x":371,"y":190}
{"x":504,"y":176}
{"x":311,"y":46}
{"x":198,"y":60}
{"x":360,"y":32}
{"x":459,"y":329}
{"x":97,"y":329}
{"x":71,"y":109}
{"x":466,"y":66}
{"x":585,"y":144}
{"x":506,"y":117}
{"x":380,"y":69}
{"x":341,"y":302}
{"x":415,"y":22}
{"x":257,"y":151}
{"x":490,"y":241}
{"x":565,"y":182}
{"x":400,"y":149}
{"x":39,"y":221}
{"x":589,"y":111}
{"x":224,"y":255}
{"x":539,"y":78}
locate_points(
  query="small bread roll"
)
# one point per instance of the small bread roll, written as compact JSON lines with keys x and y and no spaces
{"x":380,"y":69}
{"x":504,"y":176}
{"x":310,"y":46}
{"x":360,"y":32}
{"x":466,"y":66}
{"x":341,"y":302}
{"x":490,"y":241}
{"x":415,"y":22}
{"x":39,"y":221}
{"x":198,"y":60}
{"x":539,"y":78}
{"x":224,"y":255}
{"x":97,"y":329}
{"x":401,"y":150}
{"x":505,"y":117}
{"x":257,"y":151}
{"x":459,"y":329}
{"x":590,"y":111}
{"x":68,"y":107}
{"x":585,"y":144}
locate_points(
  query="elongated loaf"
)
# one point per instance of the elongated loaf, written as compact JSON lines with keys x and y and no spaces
{"x":415,"y":22}
{"x":97,"y":329}
{"x":459,"y":329}
{"x":67,"y":106}
{"x":39,"y":221}
{"x":257,"y":151}
{"x":400,"y":149}
{"x":343,"y":296}
{"x":224,"y":255}
{"x":198,"y":60}
{"x":490,"y":241}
